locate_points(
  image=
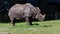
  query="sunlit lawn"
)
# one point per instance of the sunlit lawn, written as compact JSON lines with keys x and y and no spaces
{"x":44,"y":27}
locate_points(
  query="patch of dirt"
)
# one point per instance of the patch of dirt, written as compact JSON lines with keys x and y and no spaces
{"x":3,"y":28}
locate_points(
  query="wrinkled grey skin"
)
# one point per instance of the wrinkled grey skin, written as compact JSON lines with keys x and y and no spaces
{"x":27,"y":11}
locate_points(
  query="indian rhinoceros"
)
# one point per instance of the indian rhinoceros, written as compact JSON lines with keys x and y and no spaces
{"x":27,"y":11}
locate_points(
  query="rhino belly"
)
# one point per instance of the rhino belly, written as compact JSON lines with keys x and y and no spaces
{"x":19,"y":17}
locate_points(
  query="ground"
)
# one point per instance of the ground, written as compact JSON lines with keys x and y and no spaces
{"x":44,"y":27}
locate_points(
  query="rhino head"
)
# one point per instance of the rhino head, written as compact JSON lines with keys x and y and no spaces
{"x":39,"y":16}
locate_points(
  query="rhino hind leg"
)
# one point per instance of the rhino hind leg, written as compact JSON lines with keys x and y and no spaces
{"x":12,"y":21}
{"x":29,"y":20}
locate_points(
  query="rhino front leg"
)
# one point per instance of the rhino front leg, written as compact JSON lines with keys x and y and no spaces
{"x":28,"y":20}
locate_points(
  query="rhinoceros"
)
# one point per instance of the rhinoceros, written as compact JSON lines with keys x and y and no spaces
{"x":27,"y":11}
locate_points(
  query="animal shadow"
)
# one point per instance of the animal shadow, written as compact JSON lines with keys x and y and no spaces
{"x":35,"y":24}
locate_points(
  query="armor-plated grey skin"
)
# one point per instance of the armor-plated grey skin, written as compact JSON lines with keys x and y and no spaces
{"x":27,"y":11}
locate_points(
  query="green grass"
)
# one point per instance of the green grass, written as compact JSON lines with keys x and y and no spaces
{"x":44,"y":27}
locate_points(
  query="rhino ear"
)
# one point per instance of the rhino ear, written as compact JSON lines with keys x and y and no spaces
{"x":38,"y":9}
{"x":44,"y":15}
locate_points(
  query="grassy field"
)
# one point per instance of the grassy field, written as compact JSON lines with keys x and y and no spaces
{"x":44,"y":27}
